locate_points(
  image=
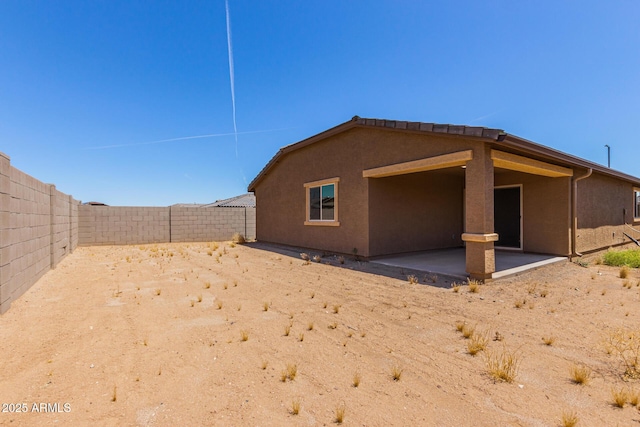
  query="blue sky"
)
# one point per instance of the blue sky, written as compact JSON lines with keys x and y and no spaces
{"x":87,"y":88}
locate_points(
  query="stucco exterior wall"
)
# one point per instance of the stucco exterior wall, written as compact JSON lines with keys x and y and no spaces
{"x":604,"y":205}
{"x":546,"y":211}
{"x":280,"y":195}
{"x":418,"y":211}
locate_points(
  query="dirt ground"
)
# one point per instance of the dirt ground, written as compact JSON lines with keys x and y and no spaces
{"x":155,"y":336}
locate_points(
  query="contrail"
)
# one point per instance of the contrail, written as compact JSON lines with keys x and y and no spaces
{"x":212,"y":135}
{"x":231,"y":74}
{"x":477,"y":119}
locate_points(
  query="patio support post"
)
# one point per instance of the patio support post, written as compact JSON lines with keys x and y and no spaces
{"x":479,"y":232}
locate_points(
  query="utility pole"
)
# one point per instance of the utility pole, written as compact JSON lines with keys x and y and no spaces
{"x":608,"y":155}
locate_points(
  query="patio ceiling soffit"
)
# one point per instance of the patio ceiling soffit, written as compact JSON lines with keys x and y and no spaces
{"x":527,"y":165}
{"x":459,"y":158}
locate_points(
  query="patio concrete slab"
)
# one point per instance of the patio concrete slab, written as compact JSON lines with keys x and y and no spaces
{"x":451,"y":262}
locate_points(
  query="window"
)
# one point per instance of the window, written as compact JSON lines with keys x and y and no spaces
{"x":322,"y":202}
{"x":636,"y":204}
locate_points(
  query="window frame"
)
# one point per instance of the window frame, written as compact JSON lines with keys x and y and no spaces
{"x":636,"y":204}
{"x":315,"y":184}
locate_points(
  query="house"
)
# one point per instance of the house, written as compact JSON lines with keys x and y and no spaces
{"x":375,"y":187}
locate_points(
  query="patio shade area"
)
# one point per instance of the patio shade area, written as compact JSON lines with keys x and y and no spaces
{"x":451,"y":262}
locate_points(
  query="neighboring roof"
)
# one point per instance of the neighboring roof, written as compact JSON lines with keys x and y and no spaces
{"x":95,"y":204}
{"x":187,"y":205}
{"x":247,"y":200}
{"x":496,"y":136}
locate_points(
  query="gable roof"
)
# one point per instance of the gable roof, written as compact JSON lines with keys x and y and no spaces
{"x":497,"y":137}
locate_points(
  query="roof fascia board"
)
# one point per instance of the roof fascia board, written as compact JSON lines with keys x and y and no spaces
{"x":458,"y":158}
{"x":528,"y":165}
{"x":529,"y":147}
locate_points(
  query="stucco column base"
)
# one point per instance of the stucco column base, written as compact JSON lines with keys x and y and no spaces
{"x":481,"y":260}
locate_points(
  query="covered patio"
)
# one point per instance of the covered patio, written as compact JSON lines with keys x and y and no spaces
{"x":452,"y":262}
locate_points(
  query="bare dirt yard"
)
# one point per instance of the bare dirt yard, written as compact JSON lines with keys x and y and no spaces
{"x":232,"y":335}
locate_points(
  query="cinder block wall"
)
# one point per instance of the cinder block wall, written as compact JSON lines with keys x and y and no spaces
{"x":36,"y":230}
{"x":192,"y":224}
{"x":117,"y":225}
{"x":122,"y":225}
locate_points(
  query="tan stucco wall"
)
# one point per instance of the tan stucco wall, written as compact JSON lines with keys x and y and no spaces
{"x":280,"y":196}
{"x":546,"y":211}
{"x":416,"y":211}
{"x":602,"y":202}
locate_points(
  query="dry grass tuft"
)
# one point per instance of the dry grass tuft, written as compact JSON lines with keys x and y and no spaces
{"x":264,"y":365}
{"x":503,"y":366}
{"x":619,"y":397}
{"x":340,"y":413}
{"x":413,"y":280}
{"x":460,"y":325}
{"x":265,"y":306}
{"x":333,"y":325}
{"x":287,"y":330}
{"x":531,"y":288}
{"x":356,"y":379}
{"x":569,"y":419}
{"x":295,"y":407}
{"x":474,"y":286}
{"x":455,"y":287}
{"x":624,"y":272}
{"x":292,"y":371}
{"x":219,"y":304}
{"x":114,"y":396}
{"x":310,"y":326}
{"x":336,"y":308}
{"x":396,"y":372}
{"x":207,"y":285}
{"x":477,"y":343}
{"x":580,"y":374}
{"x":549,"y":340}
{"x":468,"y":331}
{"x":244,"y":335}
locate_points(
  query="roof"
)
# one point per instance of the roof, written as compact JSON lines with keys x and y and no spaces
{"x":497,"y":137}
{"x":187,"y":205}
{"x":247,"y":200}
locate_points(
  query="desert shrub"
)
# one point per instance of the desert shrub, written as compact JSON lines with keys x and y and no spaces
{"x":630,"y":258}
{"x":238,"y":238}
{"x":625,"y":344}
